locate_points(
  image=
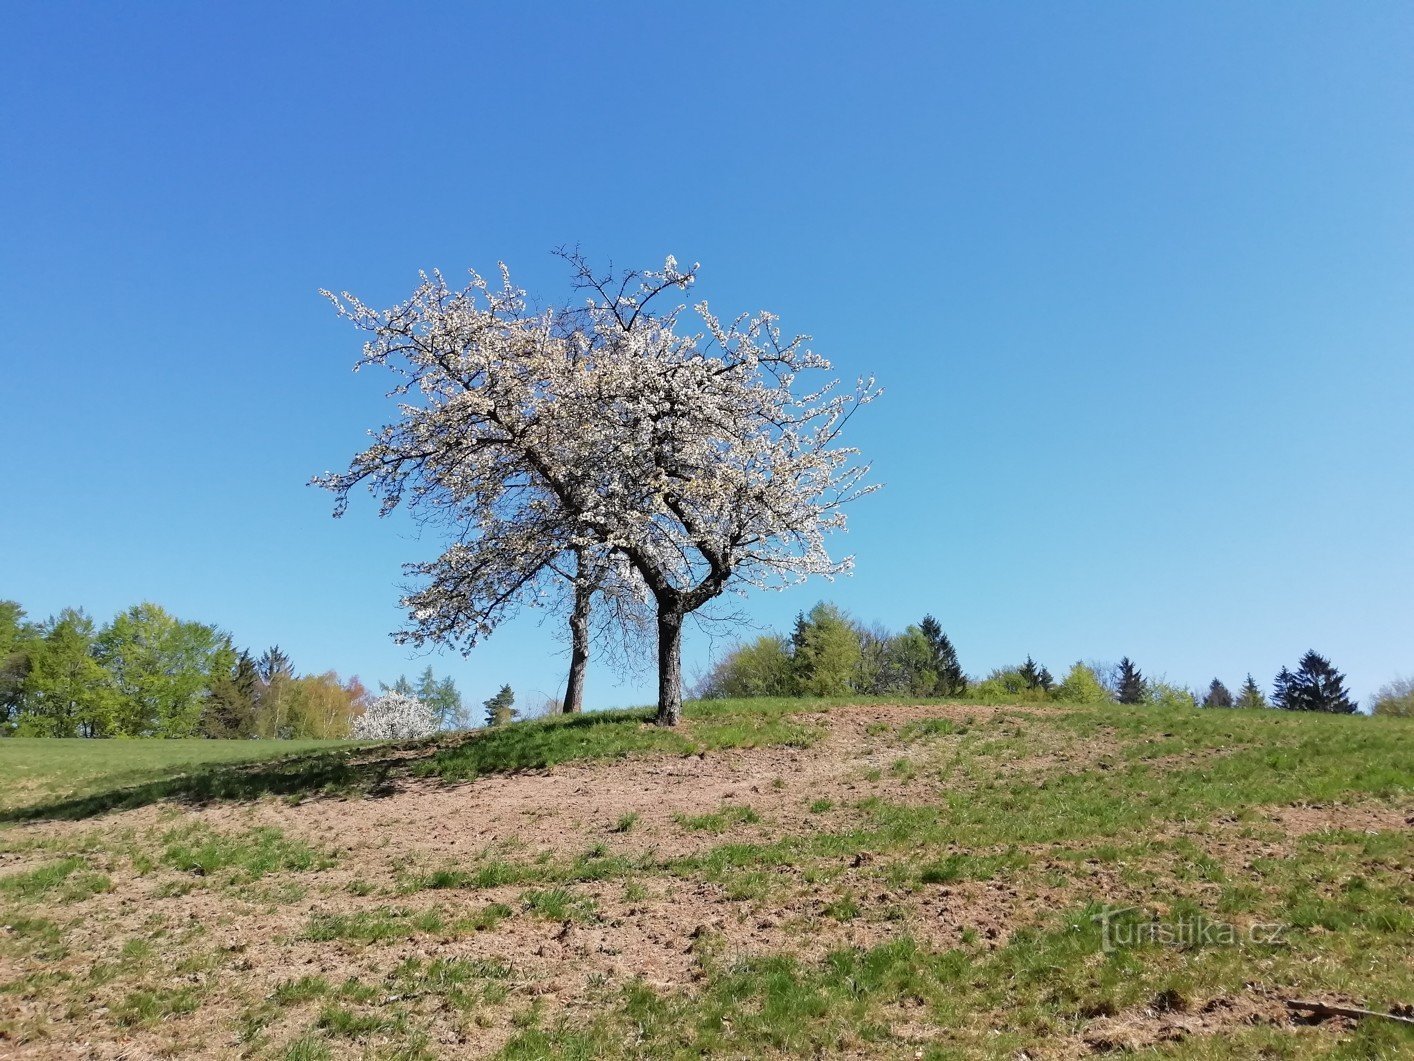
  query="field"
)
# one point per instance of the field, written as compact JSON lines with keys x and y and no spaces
{"x":779,"y":878}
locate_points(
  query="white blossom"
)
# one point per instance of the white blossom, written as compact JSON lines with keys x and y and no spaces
{"x":395,"y":716}
{"x":685,"y":459}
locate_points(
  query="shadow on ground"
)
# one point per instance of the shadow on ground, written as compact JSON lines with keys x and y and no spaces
{"x":374,"y":771}
{"x":365,"y":772}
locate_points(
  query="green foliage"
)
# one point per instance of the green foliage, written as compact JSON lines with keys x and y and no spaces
{"x":1081,"y":686}
{"x":500,"y":709}
{"x":1218,"y":695}
{"x":148,"y":674}
{"x":440,"y":694}
{"x":17,"y":636}
{"x":1394,"y":699}
{"x":950,"y":679}
{"x":201,"y":850}
{"x":826,"y":652}
{"x":909,"y":665}
{"x":1005,"y":686}
{"x":1316,"y":686}
{"x":160,"y":666}
{"x":65,"y":691}
{"x":231,"y":704}
{"x":1251,"y":697}
{"x":1132,"y":689}
{"x":1161,"y":693}
{"x":756,"y":668}
{"x":1036,"y":677}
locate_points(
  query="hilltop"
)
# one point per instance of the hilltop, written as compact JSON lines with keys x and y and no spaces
{"x":777,"y":878}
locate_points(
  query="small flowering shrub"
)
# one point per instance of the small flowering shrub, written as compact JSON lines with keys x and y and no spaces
{"x":395,"y":716}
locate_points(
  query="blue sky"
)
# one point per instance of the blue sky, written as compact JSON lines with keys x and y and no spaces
{"x":1138,"y":281}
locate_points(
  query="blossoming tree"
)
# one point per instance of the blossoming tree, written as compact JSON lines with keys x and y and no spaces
{"x":685,"y":461}
{"x":395,"y":716}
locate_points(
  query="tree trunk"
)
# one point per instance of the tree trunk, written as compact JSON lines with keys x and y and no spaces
{"x":669,"y":666}
{"x":579,"y":649}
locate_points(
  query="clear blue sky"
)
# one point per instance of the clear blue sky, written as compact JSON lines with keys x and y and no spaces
{"x":1138,"y":279}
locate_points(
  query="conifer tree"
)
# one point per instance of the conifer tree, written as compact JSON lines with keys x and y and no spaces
{"x":1036,"y":677}
{"x":1251,"y":695}
{"x":500,"y":708}
{"x":950,"y":680}
{"x":826,"y":652}
{"x":1218,"y":695}
{"x":274,"y":663}
{"x":1132,"y":687}
{"x":1316,"y":686}
{"x":1282,"y":690}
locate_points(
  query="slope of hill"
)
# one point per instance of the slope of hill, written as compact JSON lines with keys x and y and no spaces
{"x":777,"y":879}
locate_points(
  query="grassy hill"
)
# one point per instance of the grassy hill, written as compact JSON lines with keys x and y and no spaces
{"x":777,"y":878}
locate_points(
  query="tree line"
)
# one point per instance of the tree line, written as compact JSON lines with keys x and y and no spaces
{"x":146,"y":673}
{"x":830,"y":654}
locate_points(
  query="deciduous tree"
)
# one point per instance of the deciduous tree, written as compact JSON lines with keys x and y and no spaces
{"x":66,"y":691}
{"x":696,"y":456}
{"x":160,"y":666}
{"x":1394,"y":699}
{"x":756,"y":668}
{"x":395,"y":716}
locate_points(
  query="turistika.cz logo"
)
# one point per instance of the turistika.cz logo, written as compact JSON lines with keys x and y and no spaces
{"x":1118,"y":930}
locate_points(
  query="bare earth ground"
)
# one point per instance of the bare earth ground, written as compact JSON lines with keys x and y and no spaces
{"x":214,"y":951}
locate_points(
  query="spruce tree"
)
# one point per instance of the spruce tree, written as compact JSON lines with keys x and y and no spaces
{"x":1251,"y":695}
{"x":950,"y":680}
{"x":1132,"y":687}
{"x":275,"y":663}
{"x":1283,"y":690}
{"x":500,"y":708}
{"x":1036,"y":677}
{"x":1218,"y":695}
{"x":1317,"y":686}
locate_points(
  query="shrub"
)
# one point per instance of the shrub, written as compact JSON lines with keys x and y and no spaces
{"x":1395,"y":699}
{"x":1161,"y":693}
{"x":1005,"y":685}
{"x":755,"y":668}
{"x":1081,"y":686}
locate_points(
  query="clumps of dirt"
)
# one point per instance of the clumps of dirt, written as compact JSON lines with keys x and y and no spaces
{"x":1306,"y":819}
{"x":1171,"y":1018}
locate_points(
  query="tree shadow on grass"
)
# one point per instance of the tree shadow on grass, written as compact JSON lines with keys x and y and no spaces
{"x":354,"y":771}
{"x":373,"y":771}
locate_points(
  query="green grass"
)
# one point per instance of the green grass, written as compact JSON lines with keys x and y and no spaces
{"x":43,"y":770}
{"x":66,"y":880}
{"x":544,"y":743}
{"x":63,"y":778}
{"x":249,"y":855}
{"x":975,"y":867}
{"x":719,"y":821}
